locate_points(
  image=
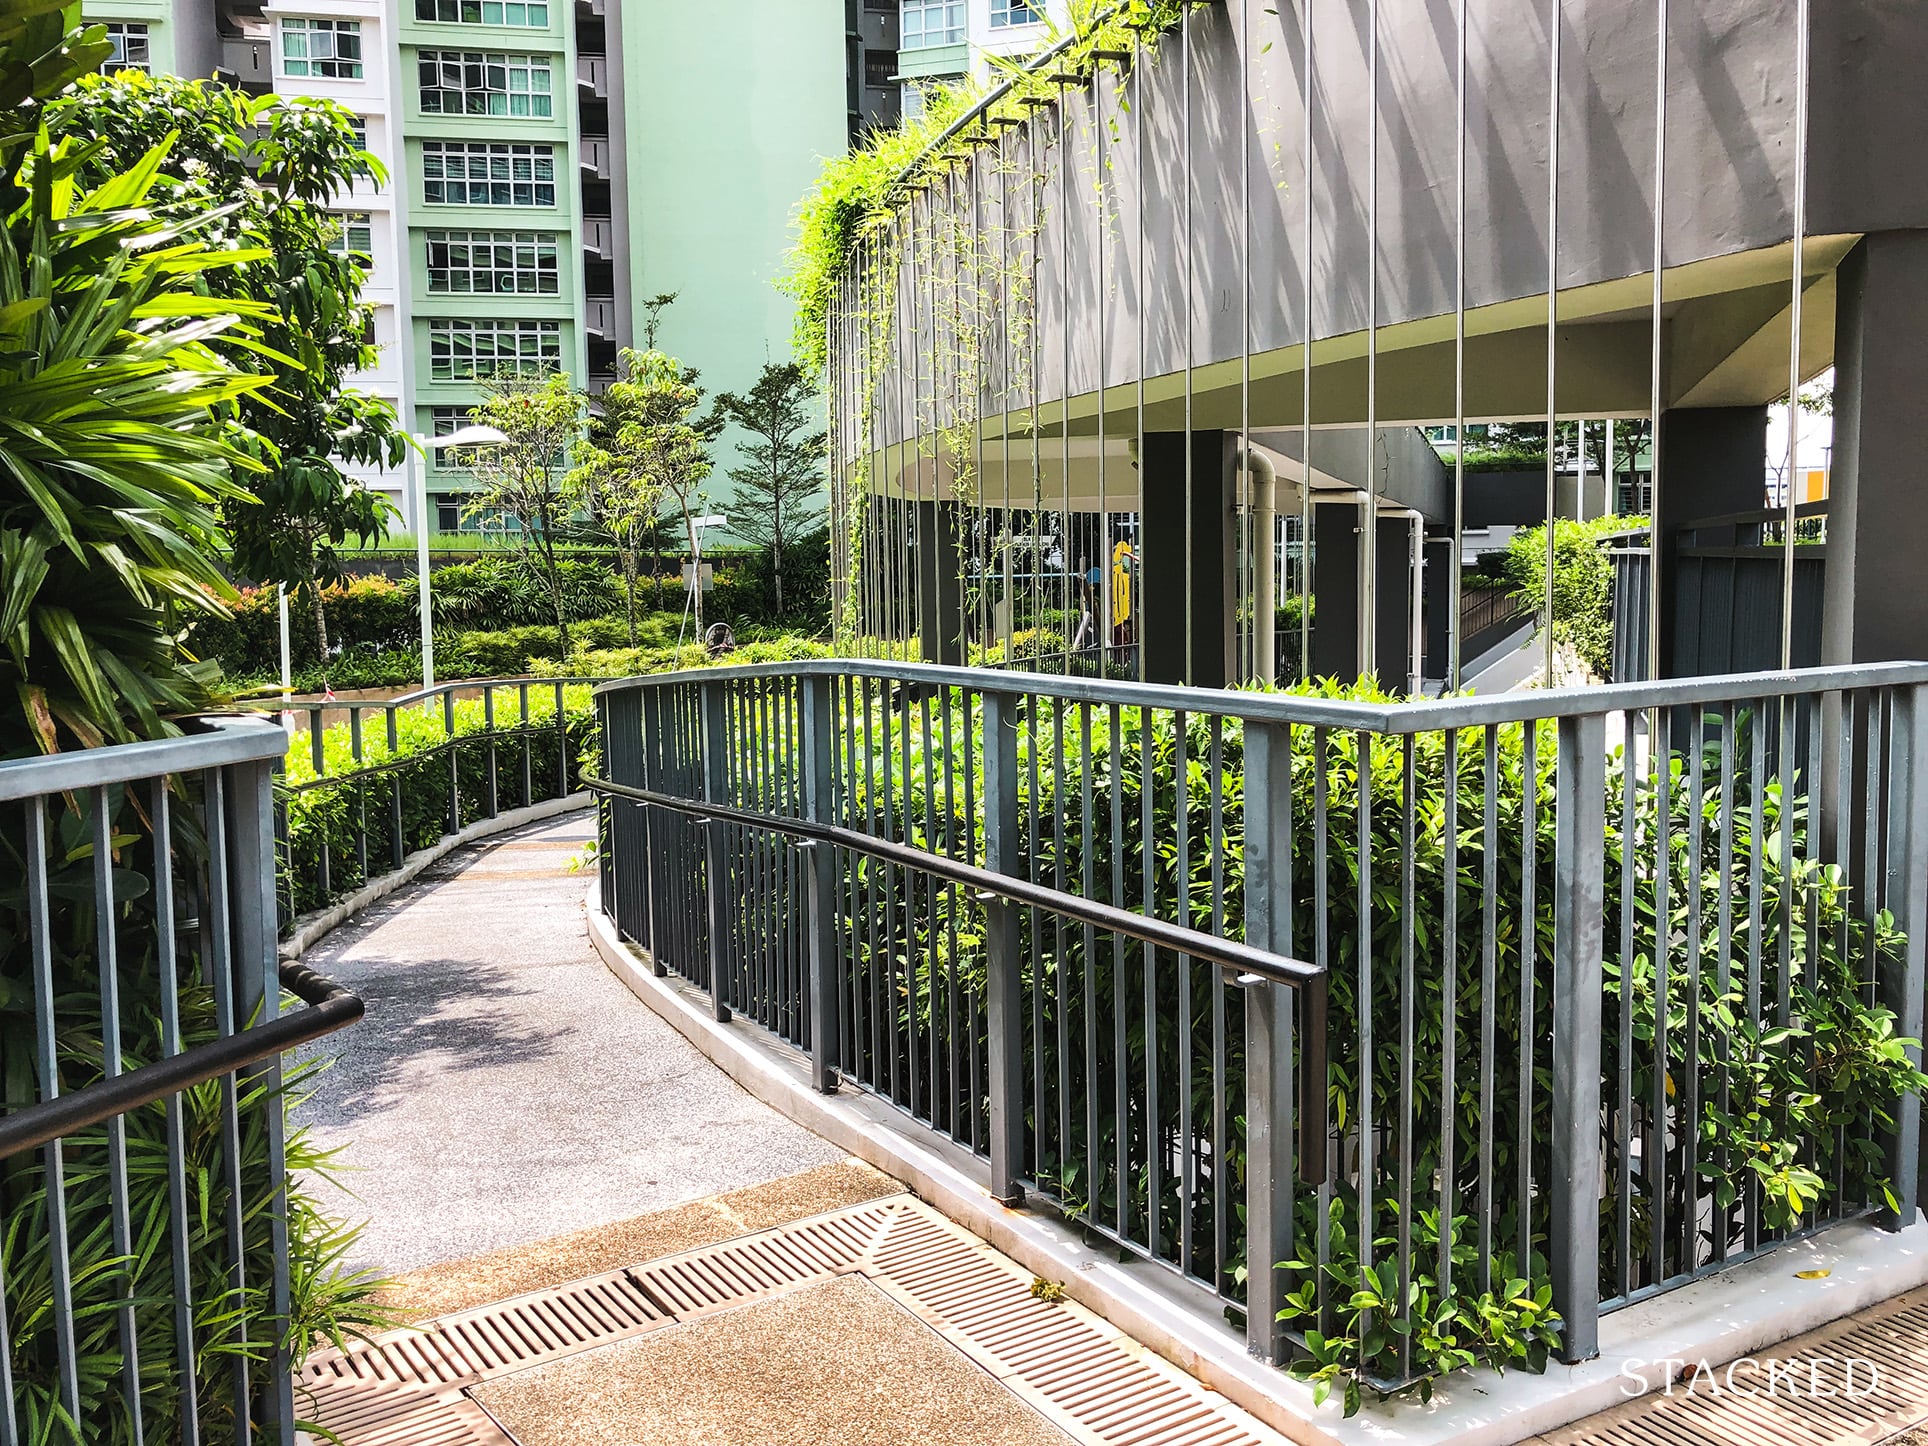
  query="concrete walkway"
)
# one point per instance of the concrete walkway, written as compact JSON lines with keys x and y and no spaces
{"x":504,"y":1087}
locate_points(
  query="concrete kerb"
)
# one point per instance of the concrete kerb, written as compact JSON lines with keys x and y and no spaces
{"x":1737,"y":1313}
{"x":310,"y":929}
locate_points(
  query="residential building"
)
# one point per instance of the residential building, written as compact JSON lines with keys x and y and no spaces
{"x":943,"y":42}
{"x":550,"y":168}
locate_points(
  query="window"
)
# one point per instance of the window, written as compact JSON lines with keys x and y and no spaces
{"x":479,"y":82}
{"x":916,"y":90}
{"x":359,"y":125}
{"x":330,"y":49}
{"x":464,"y":350}
{"x":1013,"y":12}
{"x":932,"y":22}
{"x":496,"y":262}
{"x":129,"y":39}
{"x":487,"y":173}
{"x":534,"y":15}
{"x":880,"y":67}
{"x":354,"y":235}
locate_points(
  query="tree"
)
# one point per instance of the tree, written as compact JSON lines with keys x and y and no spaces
{"x":613,"y":487}
{"x":778,"y":485}
{"x":253,"y":177}
{"x":522,"y":477}
{"x":669,"y":443}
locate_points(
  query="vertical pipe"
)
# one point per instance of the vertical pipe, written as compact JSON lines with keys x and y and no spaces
{"x":1554,"y":33}
{"x":1264,"y":602}
{"x":1658,"y":339}
{"x":1792,"y":499}
{"x":1101,"y":550}
{"x":1456,"y":565}
{"x":1067,"y":555}
{"x":1368,"y":651}
{"x":1305,"y":402}
{"x":1185,"y":169}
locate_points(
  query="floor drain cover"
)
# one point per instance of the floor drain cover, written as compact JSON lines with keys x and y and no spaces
{"x":1068,"y":1364}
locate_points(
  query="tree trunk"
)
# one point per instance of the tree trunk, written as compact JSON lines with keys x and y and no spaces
{"x":321,"y":629}
{"x":776,"y":565}
{"x":696,"y":576}
{"x":628,"y":555}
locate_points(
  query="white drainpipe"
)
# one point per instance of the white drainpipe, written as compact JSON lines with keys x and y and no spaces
{"x":1265,"y":585}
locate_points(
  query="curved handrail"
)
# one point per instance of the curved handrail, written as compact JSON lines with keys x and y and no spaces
{"x":1397,"y":719}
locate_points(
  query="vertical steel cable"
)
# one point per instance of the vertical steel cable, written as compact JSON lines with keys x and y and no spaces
{"x":1792,"y":498}
{"x":1066,"y":556}
{"x":1305,"y":404}
{"x":1101,"y":555}
{"x":1185,"y":128}
{"x":1368,"y":551}
{"x":1659,"y":341}
{"x":1455,"y":564}
{"x":1143,"y":165}
{"x":1263,"y":669}
{"x":1552,"y":321}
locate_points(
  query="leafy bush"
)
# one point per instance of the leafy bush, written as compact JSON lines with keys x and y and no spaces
{"x":1582,"y":584}
{"x":500,"y":590}
{"x":328,"y":814}
{"x":365,"y":616}
{"x":637,"y":662}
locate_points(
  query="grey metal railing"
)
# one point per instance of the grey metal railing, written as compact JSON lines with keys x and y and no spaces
{"x":1525,"y":1077}
{"x":141,"y":1152}
{"x":431,"y":771}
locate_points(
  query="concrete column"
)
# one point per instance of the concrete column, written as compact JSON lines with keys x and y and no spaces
{"x":1713,"y":461}
{"x":1335,"y":589}
{"x":1392,"y":610}
{"x":1188,"y":607}
{"x":1442,"y":558}
{"x":940,"y":584}
{"x":1876,"y":609}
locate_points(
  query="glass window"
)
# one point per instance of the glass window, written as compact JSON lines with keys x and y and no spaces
{"x":485,"y":82}
{"x":1013,"y":12}
{"x":131,"y":50}
{"x":931,"y":22}
{"x":354,"y":234}
{"x":533,"y":15}
{"x":330,"y":49}
{"x":493,"y":262}
{"x":463,"y":350}
{"x":487,"y":173}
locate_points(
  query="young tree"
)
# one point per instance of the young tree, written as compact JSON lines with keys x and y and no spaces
{"x":541,"y":418}
{"x":613,"y":487}
{"x":781,"y":479}
{"x":667,"y":441}
{"x":253,"y":177}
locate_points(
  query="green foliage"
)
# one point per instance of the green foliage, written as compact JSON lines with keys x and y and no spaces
{"x":502,"y":590}
{"x":252,"y":176}
{"x":371,"y":615}
{"x":1582,"y":583}
{"x":636,"y":662}
{"x":663,"y":439}
{"x":780,"y":482}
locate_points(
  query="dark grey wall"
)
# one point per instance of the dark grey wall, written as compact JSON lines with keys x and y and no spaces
{"x":1730,"y":159}
{"x":1408,"y":472}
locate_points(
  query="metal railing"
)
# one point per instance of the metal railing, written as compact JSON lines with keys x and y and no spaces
{"x":146,"y":1287}
{"x":1008,"y":904}
{"x":444,"y":758}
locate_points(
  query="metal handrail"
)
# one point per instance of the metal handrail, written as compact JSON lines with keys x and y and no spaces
{"x":1249,"y":963}
{"x":330,"y":1008}
{"x":225,"y":740}
{"x":1396,"y":719}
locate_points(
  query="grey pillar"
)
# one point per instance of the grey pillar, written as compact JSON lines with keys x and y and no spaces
{"x":1188,"y":605}
{"x":940,"y":584}
{"x":1875,"y":608}
{"x":1442,"y":557}
{"x":1392,"y":610}
{"x":1335,"y":589}
{"x":1713,"y":461}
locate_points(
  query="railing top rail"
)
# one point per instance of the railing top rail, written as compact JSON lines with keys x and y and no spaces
{"x":220,"y":742}
{"x":420,"y":695}
{"x":1770,"y":514}
{"x":1392,"y":718}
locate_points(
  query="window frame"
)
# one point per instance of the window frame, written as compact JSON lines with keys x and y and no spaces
{"x":121,"y":34}
{"x":443,"y":332}
{"x":346,"y":224}
{"x":947,"y":31}
{"x":481,"y":9}
{"x":466,"y":153}
{"x":310,"y":26}
{"x":544,"y":253}
{"x":1005,"y":14}
{"x":474,"y":73}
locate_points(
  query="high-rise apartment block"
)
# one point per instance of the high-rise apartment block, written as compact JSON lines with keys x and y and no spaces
{"x":552,"y":165}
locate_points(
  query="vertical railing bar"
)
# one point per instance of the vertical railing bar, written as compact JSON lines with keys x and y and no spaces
{"x":1631,"y":842}
{"x":953,"y":1074}
{"x":361,"y":795}
{"x":1004,"y":985}
{"x":107,"y":962}
{"x":1907,"y":899}
{"x":1088,"y":973}
{"x":47,"y":1062}
{"x":1120,"y":1010}
{"x":714,"y":751}
{"x":455,"y":759}
{"x":1366,"y":1231}
{"x":221,"y":974}
{"x":1031,"y":822}
{"x":974,"y":1004}
{"x":1689,"y":1091}
{"x":489,"y":800}
{"x":1449,"y":1026}
{"x":1060,"y":984}
{"x":1756,"y":794}
{"x":1148,"y":867}
{"x":1182,"y":888}
{"x":932,"y":950}
{"x":1408,"y":987}
{"x":1724,"y":957}
{"x":1654,"y":1153}
{"x":1221,"y":1226}
{"x":161,"y":808}
{"x":913,"y":1045}
{"x":528,"y":745}
{"x":1322,"y":956}
{"x":1488,"y":994}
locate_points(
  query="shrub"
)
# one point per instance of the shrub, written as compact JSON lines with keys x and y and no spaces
{"x":500,"y":591}
{"x":1582,"y":585}
{"x":365,"y":615}
{"x":638,"y":662}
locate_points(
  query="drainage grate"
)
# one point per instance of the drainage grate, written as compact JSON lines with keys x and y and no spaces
{"x":1788,"y":1412}
{"x":1092,"y":1381}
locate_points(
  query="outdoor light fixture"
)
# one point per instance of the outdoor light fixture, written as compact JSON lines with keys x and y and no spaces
{"x":470,"y":436}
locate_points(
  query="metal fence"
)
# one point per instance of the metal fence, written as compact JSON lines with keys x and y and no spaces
{"x":145,"y":1273}
{"x":438,"y":761}
{"x":959,"y":889}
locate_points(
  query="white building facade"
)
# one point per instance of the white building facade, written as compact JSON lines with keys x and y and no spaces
{"x":942,"y":42}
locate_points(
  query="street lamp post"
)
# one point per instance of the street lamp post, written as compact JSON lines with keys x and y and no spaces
{"x":471,"y":436}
